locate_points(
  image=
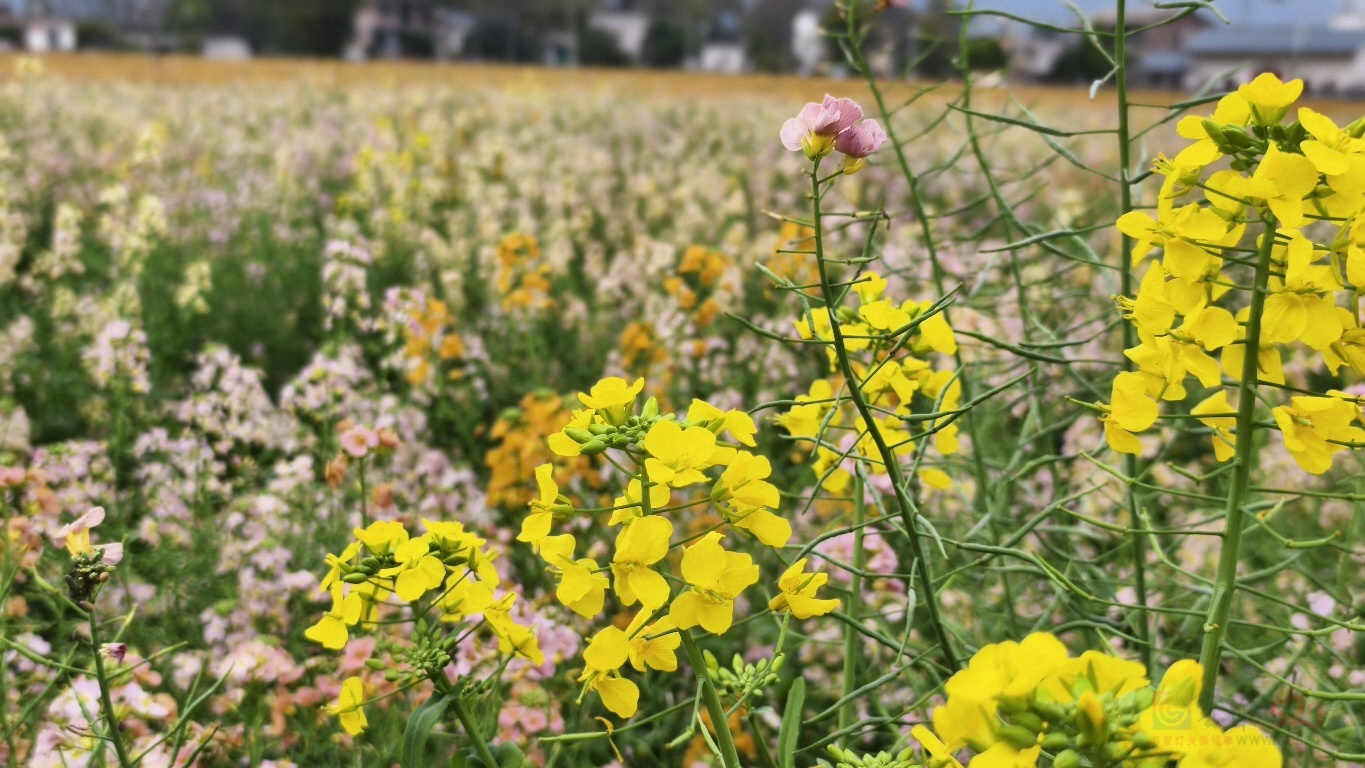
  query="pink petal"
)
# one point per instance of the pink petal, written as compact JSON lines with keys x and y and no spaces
{"x":847,"y":109}
{"x":861,"y":140}
{"x":792,"y":133}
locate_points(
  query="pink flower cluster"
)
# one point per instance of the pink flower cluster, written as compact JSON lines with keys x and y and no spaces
{"x":834,"y":124}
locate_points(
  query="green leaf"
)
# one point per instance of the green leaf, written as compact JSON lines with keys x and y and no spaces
{"x":419,"y":728}
{"x":791,"y":724}
{"x":507,"y":755}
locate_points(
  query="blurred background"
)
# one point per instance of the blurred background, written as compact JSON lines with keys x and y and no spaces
{"x":912,"y":37}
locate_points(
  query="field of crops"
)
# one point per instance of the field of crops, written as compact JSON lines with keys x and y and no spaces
{"x":410,"y":415}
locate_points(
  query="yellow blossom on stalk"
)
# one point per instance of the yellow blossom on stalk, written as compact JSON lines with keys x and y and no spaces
{"x":946,"y":386}
{"x":452,"y":540}
{"x":1314,"y":428}
{"x":1212,"y":413}
{"x":1269,"y":98}
{"x":882,"y":315}
{"x":834,"y":478}
{"x":603,"y":657}
{"x":581,"y":588}
{"x":628,"y":506}
{"x":335,"y":562}
{"x":382,"y":537}
{"x":798,"y":592}
{"x":649,"y":651}
{"x":1183,"y":236}
{"x":715,"y":577}
{"x":536,"y":525}
{"x":464,"y":598}
{"x":934,"y":331}
{"x":1151,"y":312}
{"x":1338,"y":155}
{"x":1096,"y":673}
{"x":745,"y":496}
{"x":1130,"y":410}
{"x":1297,"y":310}
{"x":512,"y":637}
{"x":331,"y":630}
{"x":612,"y":397}
{"x":1349,"y":349}
{"x":678,"y":455}
{"x":804,"y":420}
{"x":418,"y":570}
{"x":561,"y":444}
{"x":1009,"y":670}
{"x":1232,"y":110}
{"x":1282,"y":180}
{"x":1242,"y":747}
{"x":933,"y":746}
{"x":738,"y":424}
{"x":349,"y":708}
{"x":639,"y":546}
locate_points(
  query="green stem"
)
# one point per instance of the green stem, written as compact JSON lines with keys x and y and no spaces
{"x":719,"y":724}
{"x":1225,"y":583}
{"x":1130,"y":462}
{"x":889,"y":459}
{"x":107,"y":703}
{"x":480,"y":746}
{"x":848,"y":713}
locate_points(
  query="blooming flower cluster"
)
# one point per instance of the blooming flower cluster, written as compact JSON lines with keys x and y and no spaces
{"x":1301,"y":184}
{"x":662,"y":455}
{"x":1018,"y":701}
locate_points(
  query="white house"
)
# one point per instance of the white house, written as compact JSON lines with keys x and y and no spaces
{"x":723,"y":57}
{"x":809,"y":43}
{"x":629,"y":28}
{"x":49,"y":35}
{"x":1328,"y":60}
{"x":226,"y":48}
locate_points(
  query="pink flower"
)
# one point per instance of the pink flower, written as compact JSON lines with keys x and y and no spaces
{"x":75,"y":536}
{"x":114,"y":651}
{"x":812,"y":131}
{"x":861,"y":140}
{"x":358,"y":441}
{"x":830,"y":125}
{"x":847,"y":109}
{"x":11,"y":477}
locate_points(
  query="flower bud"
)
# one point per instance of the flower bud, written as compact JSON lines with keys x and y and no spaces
{"x":578,"y":435}
{"x":358,"y":577}
{"x":1055,"y":741}
{"x":1018,"y":736}
{"x":651,"y":409}
{"x":375,"y":664}
{"x":593,"y":447}
{"x":1068,"y":759}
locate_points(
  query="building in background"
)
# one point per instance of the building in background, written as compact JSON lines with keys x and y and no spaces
{"x":450,"y":31}
{"x":627,"y":24}
{"x":723,"y":48}
{"x":49,"y":34}
{"x":809,"y":43}
{"x":1329,"y":61}
{"x":391,"y":29}
{"x":226,"y":48}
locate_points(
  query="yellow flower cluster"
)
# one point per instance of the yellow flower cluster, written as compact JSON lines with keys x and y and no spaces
{"x":699,"y":274}
{"x":428,"y":339}
{"x":1017,"y":701}
{"x":664,"y":453}
{"x":446,"y":568}
{"x":1304,"y":182}
{"x":892,"y":375}
{"x":521,"y":434}
{"x":522,"y":280}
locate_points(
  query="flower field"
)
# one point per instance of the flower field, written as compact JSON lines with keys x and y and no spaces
{"x":474,"y":417}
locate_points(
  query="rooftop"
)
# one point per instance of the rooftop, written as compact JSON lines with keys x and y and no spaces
{"x":1276,"y":41}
